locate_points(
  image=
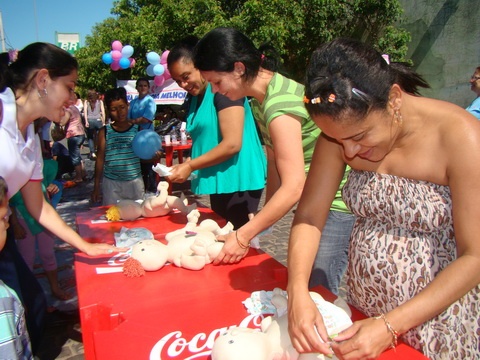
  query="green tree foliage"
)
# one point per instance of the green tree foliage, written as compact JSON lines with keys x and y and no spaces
{"x":295,"y":28}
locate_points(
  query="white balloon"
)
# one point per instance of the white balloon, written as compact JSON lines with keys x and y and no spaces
{"x":153,"y":58}
{"x":127,"y":51}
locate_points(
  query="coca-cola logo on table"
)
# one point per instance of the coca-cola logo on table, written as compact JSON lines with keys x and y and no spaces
{"x":175,"y":346}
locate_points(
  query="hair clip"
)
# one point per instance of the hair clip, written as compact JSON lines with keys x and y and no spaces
{"x":386,"y":57}
{"x":12,"y":56}
{"x":317,"y":100}
{"x":361,"y":94}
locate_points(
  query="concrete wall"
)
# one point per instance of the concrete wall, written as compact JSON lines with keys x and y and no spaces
{"x":445,"y":46}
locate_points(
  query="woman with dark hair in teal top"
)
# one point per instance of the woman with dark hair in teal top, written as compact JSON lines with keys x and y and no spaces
{"x":227,"y":156}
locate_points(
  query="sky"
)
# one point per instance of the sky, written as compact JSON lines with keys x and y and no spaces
{"x":27,"y":21}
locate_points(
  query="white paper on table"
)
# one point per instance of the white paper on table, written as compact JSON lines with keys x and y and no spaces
{"x":109,"y":270}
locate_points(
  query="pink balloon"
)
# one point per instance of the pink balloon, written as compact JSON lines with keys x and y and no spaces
{"x":116,"y":55}
{"x":163,"y":59}
{"x":115,"y":66}
{"x":117,"y":45}
{"x":166,"y":74}
{"x":132,"y":62}
{"x":159,"y":80}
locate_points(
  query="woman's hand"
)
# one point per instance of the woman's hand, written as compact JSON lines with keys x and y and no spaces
{"x":180,"y":172}
{"x":232,"y":252}
{"x":365,"y":339}
{"x":305,"y":325}
{"x":102,"y":249}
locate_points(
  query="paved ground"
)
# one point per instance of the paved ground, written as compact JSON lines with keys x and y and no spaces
{"x":63,"y":334}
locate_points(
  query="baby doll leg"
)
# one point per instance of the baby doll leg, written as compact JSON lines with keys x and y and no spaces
{"x":162,"y":191}
{"x":174,"y":202}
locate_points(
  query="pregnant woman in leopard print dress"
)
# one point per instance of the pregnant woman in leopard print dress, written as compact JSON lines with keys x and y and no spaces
{"x":414,"y":257}
{"x":402,"y":239}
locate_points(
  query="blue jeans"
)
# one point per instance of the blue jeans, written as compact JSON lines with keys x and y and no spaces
{"x":74,"y":143}
{"x":332,"y":255}
{"x":92,"y":130}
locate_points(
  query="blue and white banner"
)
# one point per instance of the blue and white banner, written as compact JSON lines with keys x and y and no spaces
{"x":167,"y":94}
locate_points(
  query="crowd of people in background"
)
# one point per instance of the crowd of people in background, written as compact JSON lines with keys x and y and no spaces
{"x":385,"y":192}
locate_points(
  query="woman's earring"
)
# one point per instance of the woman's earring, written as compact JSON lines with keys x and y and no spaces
{"x":398,"y":117}
{"x":42,"y":94}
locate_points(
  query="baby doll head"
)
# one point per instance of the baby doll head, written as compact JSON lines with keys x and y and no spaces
{"x":147,"y":255}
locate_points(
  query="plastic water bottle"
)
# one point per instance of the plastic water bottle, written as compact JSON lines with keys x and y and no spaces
{"x":173,"y":135}
{"x":183,"y":136}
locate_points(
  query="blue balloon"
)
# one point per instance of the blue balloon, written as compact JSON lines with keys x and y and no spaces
{"x":107,"y":58}
{"x":150,"y":70}
{"x":124,"y":63}
{"x":146,"y":143}
{"x":158,"y":69}
{"x":127,"y":51}
{"x":153,"y":58}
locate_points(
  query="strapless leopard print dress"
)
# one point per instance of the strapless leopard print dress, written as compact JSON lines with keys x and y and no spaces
{"x":402,"y":238}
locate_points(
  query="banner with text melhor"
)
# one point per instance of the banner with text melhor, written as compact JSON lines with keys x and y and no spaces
{"x":167,"y":94}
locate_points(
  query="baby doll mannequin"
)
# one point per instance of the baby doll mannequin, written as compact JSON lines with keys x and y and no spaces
{"x":154,"y":206}
{"x":191,"y":247}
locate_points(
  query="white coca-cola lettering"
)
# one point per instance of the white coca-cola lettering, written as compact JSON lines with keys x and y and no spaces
{"x":118,"y":259}
{"x":199,"y":346}
{"x":253,"y":320}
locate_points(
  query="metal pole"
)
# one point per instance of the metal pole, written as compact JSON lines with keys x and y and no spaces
{"x":2,"y":34}
{"x":36,"y":20}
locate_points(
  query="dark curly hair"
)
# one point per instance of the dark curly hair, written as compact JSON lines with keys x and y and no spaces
{"x":359,"y":78}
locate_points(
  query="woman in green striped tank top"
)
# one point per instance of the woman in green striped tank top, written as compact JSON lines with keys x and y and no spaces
{"x":237,"y":69}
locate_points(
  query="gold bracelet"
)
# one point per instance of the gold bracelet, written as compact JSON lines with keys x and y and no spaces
{"x":242,"y":246}
{"x":394,"y":333}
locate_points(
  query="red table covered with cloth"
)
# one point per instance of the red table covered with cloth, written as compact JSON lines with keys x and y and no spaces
{"x":172,"y":313}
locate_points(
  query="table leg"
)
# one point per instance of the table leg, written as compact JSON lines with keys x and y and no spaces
{"x":169,"y":156}
{"x":169,"y":162}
